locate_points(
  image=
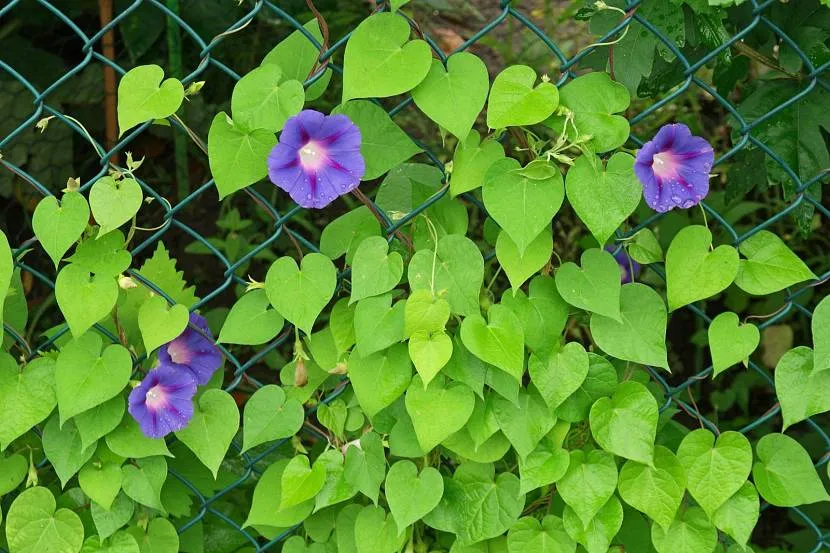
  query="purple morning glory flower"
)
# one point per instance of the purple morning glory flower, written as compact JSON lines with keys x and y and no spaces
{"x":674,"y":168}
{"x":192,"y":353}
{"x":317,"y":158}
{"x":163,"y":402}
{"x":628,"y":267}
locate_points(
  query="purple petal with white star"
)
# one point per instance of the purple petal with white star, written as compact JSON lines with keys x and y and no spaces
{"x":163,"y":402}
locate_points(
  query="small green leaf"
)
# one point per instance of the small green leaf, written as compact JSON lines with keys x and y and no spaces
{"x":380,"y":378}
{"x":453,"y":97}
{"x":300,"y":481}
{"x":344,"y":234}
{"x":542,"y":311}
{"x":142,"y":96}
{"x":31,"y":390}
{"x":595,"y":286}
{"x":251,"y":321}
{"x":520,"y":267}
{"x":524,"y":422}
{"x":715,"y":470}
{"x":458,"y":275}
{"x":499,"y":341}
{"x":84,"y":299}
{"x":589,"y":483}
{"x":104,"y":256}
{"x":429,"y":352}
{"x":375,"y":271}
{"x":378,"y":324}
{"x":521,"y":205}
{"x":34,"y":526}
{"x":265,"y":505}
{"x":160,"y":536}
{"x":237,"y":155}
{"x":802,"y":391}
{"x":514,"y":101}
{"x":641,"y":336}
{"x":57,"y":227}
{"x":264,"y":99}
{"x":160,"y":322}
{"x":559,"y":373}
{"x":128,"y":441}
{"x":784,"y":473}
{"x":375,"y":532}
{"x":601,"y":381}
{"x":86,"y":376}
{"x":693,"y":272}
{"x":143,"y":481}
{"x":300,"y":294}
{"x":644,"y":247}
{"x":471,"y":161}
{"x":213,"y":426}
{"x":270,"y":416}
{"x":739,"y":515}
{"x":544,"y":465}
{"x":821,"y":335}
{"x":626,"y":423}
{"x":100,"y":420}
{"x":101,"y":481}
{"x":380,"y":59}
{"x":114,"y":202}
{"x":530,"y":535}
{"x":731,"y":342}
{"x":438,"y":410}
{"x":691,"y":532}
{"x":425,"y":313}
{"x":120,"y":542}
{"x":595,"y":536}
{"x":654,"y":490}
{"x":769,"y":266}
{"x":365,"y":466}
{"x":108,"y":522}
{"x":13,"y":471}
{"x":62,"y":446}
{"x":411,"y":495}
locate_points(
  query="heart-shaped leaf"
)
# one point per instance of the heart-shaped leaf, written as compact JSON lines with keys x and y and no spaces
{"x":237,"y":155}
{"x":142,"y":96}
{"x":337,"y":487}
{"x":144,"y":480}
{"x":87,"y":377}
{"x":558,"y":373}
{"x":802,"y":391}
{"x":62,"y":446}
{"x":263,"y":99}
{"x":454,"y":97}
{"x":425,"y":313}
{"x":114,"y":202}
{"x":543,"y":312}
{"x":300,"y":294}
{"x":770,"y":266}
{"x":641,"y":335}
{"x":31,"y":390}
{"x":108,"y":522}
{"x":471,"y":160}
{"x":365,"y":465}
{"x":458,"y":274}
{"x":731,"y":342}
{"x":251,"y":321}
{"x":784,"y":473}
{"x":739,"y":515}
{"x":100,"y":420}
{"x":438,"y":410}
{"x":213,"y":426}
{"x":381,"y":378}
{"x":692,"y":271}
{"x":644,"y":247}
{"x":375,"y":532}
{"x":345,"y":233}
{"x":524,"y":422}
{"x":270,"y":416}
{"x":518,"y":267}
{"x":521,"y":205}
{"x":603,"y":199}
{"x":84,"y":299}
{"x":120,"y":542}
{"x":103,"y":256}
{"x":33,"y":525}
{"x":378,"y":324}
{"x":821,"y":335}
{"x":654,"y":490}
{"x":301,"y":481}
{"x":429,"y":353}
{"x":380,"y":59}
{"x":595,"y":536}
{"x":601,"y":381}
{"x":546,"y":536}
{"x":101,"y":481}
{"x":411,"y":495}
{"x":160,"y":322}
{"x":128,"y":441}
{"x":57,"y":227}
{"x":265,"y":505}
{"x":589,"y":483}
{"x":715,"y":470}
{"x":594,"y":99}
{"x":13,"y":471}
{"x":547,"y":463}
{"x":691,"y":532}
{"x":514,"y":102}
{"x":626,"y":423}
{"x":595,"y":286}
{"x":160,"y":536}
{"x":499,"y":342}
{"x":374,"y":270}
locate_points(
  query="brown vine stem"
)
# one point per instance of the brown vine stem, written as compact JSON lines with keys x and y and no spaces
{"x":324,"y":30}
{"x":364,"y":199}
{"x":108,"y":49}
{"x":628,"y":15}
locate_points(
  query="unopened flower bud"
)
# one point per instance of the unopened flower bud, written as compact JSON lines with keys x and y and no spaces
{"x":125,"y":282}
{"x":300,"y":373}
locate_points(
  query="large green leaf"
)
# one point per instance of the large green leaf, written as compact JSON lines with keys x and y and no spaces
{"x":412,"y":495}
{"x":691,"y":532}
{"x":237,"y":155}
{"x":802,"y":391}
{"x":300,"y":293}
{"x":654,"y":490}
{"x":143,"y":96}
{"x":458,"y":275}
{"x":514,"y":101}
{"x":626,"y":423}
{"x":58,"y":226}
{"x":213,"y":426}
{"x":589,"y":483}
{"x":31,"y":391}
{"x":34,"y":526}
{"x":769,"y":266}
{"x":784,"y":473}
{"x":595,"y":286}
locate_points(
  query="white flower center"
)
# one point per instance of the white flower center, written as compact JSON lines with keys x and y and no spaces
{"x":312,"y":155}
{"x":663,"y":164}
{"x":155,"y":397}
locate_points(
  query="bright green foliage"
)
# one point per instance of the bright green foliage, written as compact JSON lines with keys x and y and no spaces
{"x":143,"y":96}
{"x":821,"y":335}
{"x":375,"y":271}
{"x":412,"y":495}
{"x":769,"y":266}
{"x":514,"y":101}
{"x":380,"y":59}
{"x":603,"y":198}
{"x":458,"y":274}
{"x":159,"y":536}
{"x":34,"y":525}
{"x":378,"y":324}
{"x":595,"y":286}
{"x":160,"y":322}
{"x":237,"y":154}
{"x":453,"y":97}
{"x":524,"y":422}
{"x":265,"y":506}
{"x":654,"y":490}
{"x":265,"y":99}
{"x":595,"y":536}
{"x":31,"y":390}
{"x":99,"y":421}
{"x":300,"y":293}
{"x":520,"y":267}
{"x":344,"y":234}
{"x":380,"y":378}
{"x":542,"y":312}
{"x":731,"y":342}
{"x":143,"y":481}
{"x":691,"y":532}
{"x":269,"y":416}
{"x":251,"y":320}
{"x":715,"y":468}
{"x":471,"y":161}
{"x":12,"y":472}
{"x":801,"y":389}
{"x":58,"y":226}
{"x":498,"y":341}
{"x":62,"y":445}
{"x":522,"y":205}
{"x":738,"y":516}
{"x":559,"y":373}
{"x":640,"y":336}
{"x":545,"y":536}
{"x":84,"y":299}
{"x":589,"y":483}
{"x":693,"y":272}
{"x":644,"y":247}
{"x":544,"y":465}
{"x":626,"y":423}
{"x":375,"y":532}
{"x":594,"y":101}
{"x":214,"y":424}
{"x":437,"y":410}
{"x":784,"y":473}
{"x":300,"y":481}
{"x":114,"y":202}
{"x":6,"y":270}
{"x":104,"y":255}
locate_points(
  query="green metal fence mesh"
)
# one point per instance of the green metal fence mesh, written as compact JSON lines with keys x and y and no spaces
{"x":175,"y":218}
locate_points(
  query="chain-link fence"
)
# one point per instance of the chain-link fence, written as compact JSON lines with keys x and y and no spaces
{"x":174,"y":215}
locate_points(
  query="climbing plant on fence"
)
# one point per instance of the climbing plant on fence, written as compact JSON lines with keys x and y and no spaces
{"x":421,"y":302}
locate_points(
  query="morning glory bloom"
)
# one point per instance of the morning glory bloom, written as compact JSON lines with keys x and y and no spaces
{"x":673,"y":168}
{"x":628,"y":267}
{"x":317,"y":158}
{"x":163,"y":402}
{"x":192,"y":353}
